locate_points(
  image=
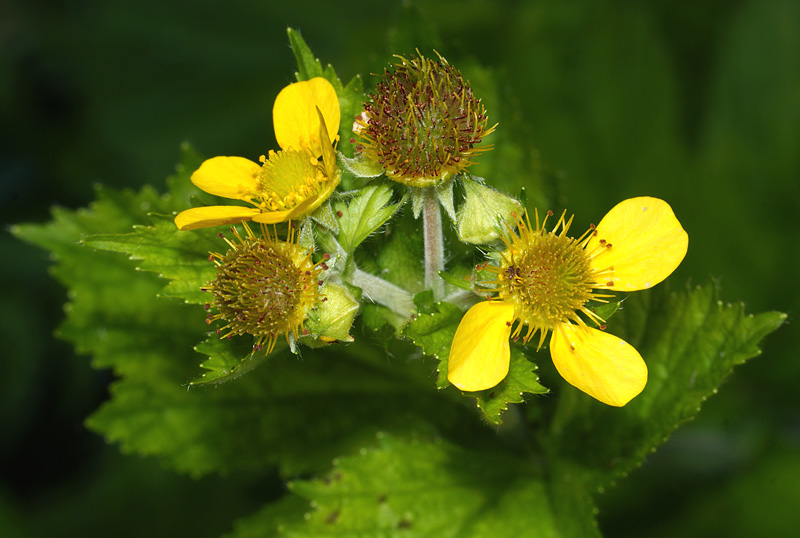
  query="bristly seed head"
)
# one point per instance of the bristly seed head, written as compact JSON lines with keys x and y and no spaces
{"x":264,"y":287}
{"x":422,"y":123}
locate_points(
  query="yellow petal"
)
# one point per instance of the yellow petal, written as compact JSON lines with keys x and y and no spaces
{"x":229,"y":177}
{"x":647,"y":243}
{"x":600,"y":364}
{"x":294,"y":114}
{"x":215,"y":215}
{"x":479,"y":356}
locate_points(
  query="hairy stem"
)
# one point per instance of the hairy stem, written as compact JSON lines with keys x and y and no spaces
{"x":434,"y":244}
{"x":382,"y":292}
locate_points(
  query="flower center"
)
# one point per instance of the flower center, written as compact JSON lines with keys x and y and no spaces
{"x":264,"y":287}
{"x":423,"y":123}
{"x":548,"y":276}
{"x":289,"y":177}
{"x":549,"y":280}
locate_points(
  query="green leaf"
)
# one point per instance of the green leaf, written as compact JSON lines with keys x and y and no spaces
{"x":228,"y":360}
{"x":111,"y":313}
{"x":181,"y":257}
{"x":367,"y":211}
{"x":141,"y":227}
{"x":270,"y":521}
{"x":397,"y":253}
{"x":521,"y":379}
{"x":280,"y":415}
{"x":382,"y":321}
{"x":690,"y":342}
{"x":308,"y":66}
{"x":605,"y":310}
{"x":424,"y":301}
{"x":324,"y":217}
{"x":276,"y":415}
{"x":420,"y":487}
{"x":434,"y":330}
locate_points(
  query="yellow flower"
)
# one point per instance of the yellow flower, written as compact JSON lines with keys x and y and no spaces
{"x":289,"y":183}
{"x":545,"y":279}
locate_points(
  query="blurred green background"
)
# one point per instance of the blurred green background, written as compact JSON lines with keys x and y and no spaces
{"x":695,"y":102}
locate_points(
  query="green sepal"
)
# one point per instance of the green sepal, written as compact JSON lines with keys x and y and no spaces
{"x":361,"y":166}
{"x":458,"y":282}
{"x":305,"y":238}
{"x":417,"y":200}
{"x":324,"y":217}
{"x":444,"y":193}
{"x":605,"y":310}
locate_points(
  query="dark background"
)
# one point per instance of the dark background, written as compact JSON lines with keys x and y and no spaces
{"x":695,"y":102}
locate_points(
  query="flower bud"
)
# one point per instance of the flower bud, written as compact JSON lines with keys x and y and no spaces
{"x":332,"y":318}
{"x":485,"y":213}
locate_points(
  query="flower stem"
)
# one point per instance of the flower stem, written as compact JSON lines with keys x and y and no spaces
{"x":434,"y":244}
{"x":382,"y":292}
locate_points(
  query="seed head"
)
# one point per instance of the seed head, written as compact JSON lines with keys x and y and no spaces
{"x":264,"y":287}
{"x":422,"y":123}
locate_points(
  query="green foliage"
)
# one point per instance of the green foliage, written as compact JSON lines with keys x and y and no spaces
{"x":274,"y":416}
{"x":226,"y":361}
{"x":690,"y":341}
{"x":363,"y":214}
{"x":433,"y":331}
{"x":426,"y":487}
{"x":119,"y":319}
{"x":521,"y":380}
{"x":436,"y":468}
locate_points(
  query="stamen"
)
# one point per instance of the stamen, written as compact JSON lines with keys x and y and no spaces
{"x":546,"y":275}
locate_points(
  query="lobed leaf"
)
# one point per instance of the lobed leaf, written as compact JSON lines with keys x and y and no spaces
{"x":290,"y":414}
{"x":521,"y":379}
{"x":228,"y":360}
{"x":434,"y":330}
{"x":423,"y":487}
{"x":363,"y":214}
{"x":690,"y":341}
{"x":180,"y":257}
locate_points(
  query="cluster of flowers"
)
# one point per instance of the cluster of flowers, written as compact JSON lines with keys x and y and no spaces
{"x":422,"y":128}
